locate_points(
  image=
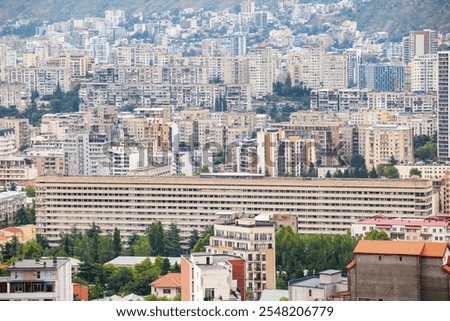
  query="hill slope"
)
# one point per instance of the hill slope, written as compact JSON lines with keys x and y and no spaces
{"x":396,"y":17}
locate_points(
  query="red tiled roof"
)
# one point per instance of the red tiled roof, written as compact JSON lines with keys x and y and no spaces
{"x":434,"y":249}
{"x":351,"y":265}
{"x":446,"y":268}
{"x":170,"y":280}
{"x":12,"y":229}
{"x":428,"y":249}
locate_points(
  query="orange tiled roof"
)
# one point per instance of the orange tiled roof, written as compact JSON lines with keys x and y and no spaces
{"x":170,"y":280}
{"x":12,"y":229}
{"x":428,"y":249}
{"x":351,"y":265}
{"x":434,"y":249}
{"x":446,"y":268}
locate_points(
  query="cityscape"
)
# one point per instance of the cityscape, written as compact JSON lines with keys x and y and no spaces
{"x":244,"y":151}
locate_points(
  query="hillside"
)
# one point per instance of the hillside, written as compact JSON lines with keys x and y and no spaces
{"x":396,"y":17}
{"x":400,"y":16}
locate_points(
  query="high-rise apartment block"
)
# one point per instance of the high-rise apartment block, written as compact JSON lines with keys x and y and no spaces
{"x":443,"y":109}
{"x":384,"y":142}
{"x":252,"y":238}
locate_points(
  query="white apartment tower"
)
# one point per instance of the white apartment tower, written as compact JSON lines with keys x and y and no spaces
{"x":422,"y":72}
{"x":443,"y":105}
{"x":261,"y":70}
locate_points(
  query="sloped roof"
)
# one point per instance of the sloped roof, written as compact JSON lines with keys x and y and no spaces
{"x":407,"y":248}
{"x":351,"y":265}
{"x":12,"y":229}
{"x":170,"y":280}
{"x":434,"y":249}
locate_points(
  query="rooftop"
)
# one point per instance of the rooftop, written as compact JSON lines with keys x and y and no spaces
{"x":406,"y":223}
{"x":44,"y":263}
{"x":312,"y":282}
{"x":133,"y":260}
{"x":170,"y":280}
{"x":273,"y":295}
{"x":409,"y":248}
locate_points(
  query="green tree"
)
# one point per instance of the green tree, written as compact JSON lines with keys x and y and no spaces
{"x":391,"y":172}
{"x":377,"y":235}
{"x":393,"y":161}
{"x":142,"y":247}
{"x":415,"y":172}
{"x":176,"y":268}
{"x":119,"y":279}
{"x":296,"y":253}
{"x":201,"y":243}
{"x":328,"y":174}
{"x":193,"y":239}
{"x":22,"y":217}
{"x":132,"y":240}
{"x":155,"y":234}
{"x":165,"y":266}
{"x":32,"y":249}
{"x":427,"y":151}
{"x":117,"y":242}
{"x":30,"y":191}
{"x":338,"y":174}
{"x":12,"y":249}
{"x":105,"y":249}
{"x":42,"y":241}
{"x":172,"y":241}
{"x":373,"y":173}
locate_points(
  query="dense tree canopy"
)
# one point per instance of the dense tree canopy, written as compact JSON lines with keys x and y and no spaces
{"x":296,"y":253}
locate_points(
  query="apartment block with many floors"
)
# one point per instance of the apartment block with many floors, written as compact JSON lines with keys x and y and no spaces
{"x":252,"y":239}
{"x":133,"y":203}
{"x":38,"y":280}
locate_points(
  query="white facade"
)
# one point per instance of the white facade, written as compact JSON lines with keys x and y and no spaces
{"x":38,"y":280}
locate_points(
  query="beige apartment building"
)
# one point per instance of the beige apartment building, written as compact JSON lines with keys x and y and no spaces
{"x":133,"y":203}
{"x":382,"y":142}
{"x":252,"y":239}
{"x":21,"y":130}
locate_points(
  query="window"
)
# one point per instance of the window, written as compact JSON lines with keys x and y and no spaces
{"x":310,"y":292}
{"x":379,"y":257}
{"x":38,"y":274}
{"x":400,"y":258}
{"x":166,"y":291}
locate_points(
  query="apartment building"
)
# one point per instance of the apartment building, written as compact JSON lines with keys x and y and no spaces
{"x":212,"y":277}
{"x":38,"y":280}
{"x":324,"y":287}
{"x":252,"y":239}
{"x":16,"y":170}
{"x":14,"y":95}
{"x":23,"y":233}
{"x":426,"y":171}
{"x":7,"y":142}
{"x":382,"y":142}
{"x":10,"y":203}
{"x":21,"y":129}
{"x":443,"y":111}
{"x":133,"y":203}
{"x":427,"y":229}
{"x":422,"y":74}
